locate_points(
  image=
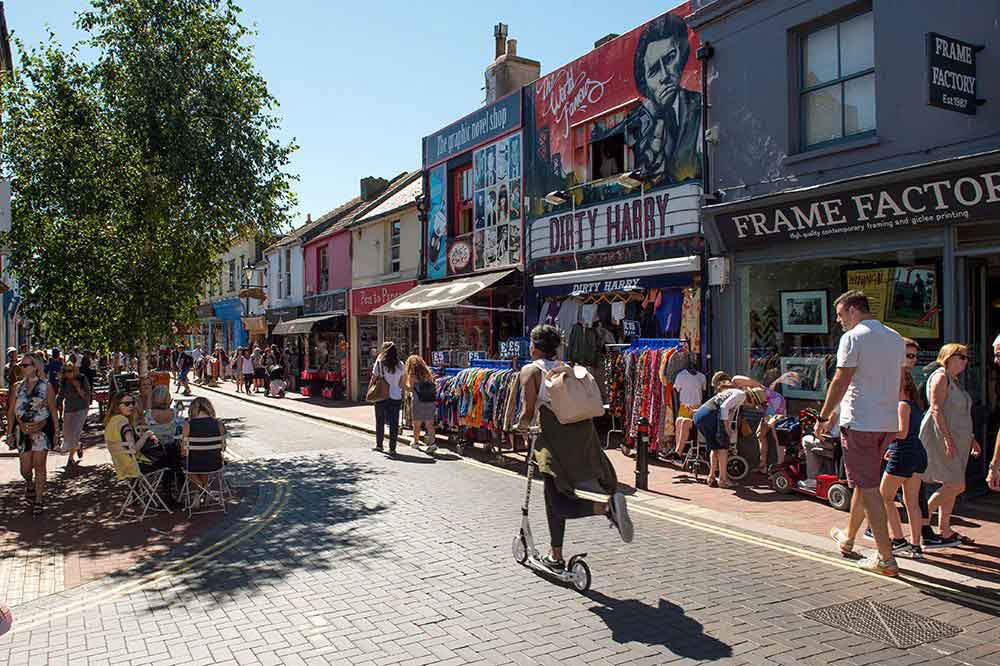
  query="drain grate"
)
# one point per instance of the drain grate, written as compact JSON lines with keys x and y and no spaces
{"x":894,"y":626}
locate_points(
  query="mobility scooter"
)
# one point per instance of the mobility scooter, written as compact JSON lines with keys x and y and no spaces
{"x":790,"y":475}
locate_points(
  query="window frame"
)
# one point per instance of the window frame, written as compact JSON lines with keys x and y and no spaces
{"x":323,"y":266}
{"x":232,"y":274}
{"x":459,"y":205}
{"x":802,"y":90}
{"x":288,"y":273}
{"x":395,"y":243}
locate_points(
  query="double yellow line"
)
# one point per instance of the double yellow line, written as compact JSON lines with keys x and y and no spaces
{"x":255,"y":525}
{"x":745,"y":537}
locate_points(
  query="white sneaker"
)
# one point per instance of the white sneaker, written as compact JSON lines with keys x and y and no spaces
{"x":618,"y":514}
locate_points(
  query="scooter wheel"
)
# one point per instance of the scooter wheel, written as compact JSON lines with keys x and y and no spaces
{"x":839,"y":497}
{"x":579,"y":576}
{"x":520,"y":549}
{"x":781,"y":483}
{"x":737,"y":468}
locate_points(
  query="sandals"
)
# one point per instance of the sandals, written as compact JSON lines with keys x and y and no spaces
{"x":962,"y":539}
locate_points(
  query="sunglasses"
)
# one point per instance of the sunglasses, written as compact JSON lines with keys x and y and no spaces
{"x":128,"y":403}
{"x":29,"y":364}
{"x":911,"y":356}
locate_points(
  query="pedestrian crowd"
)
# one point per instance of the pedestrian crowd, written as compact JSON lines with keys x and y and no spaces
{"x":253,"y":369}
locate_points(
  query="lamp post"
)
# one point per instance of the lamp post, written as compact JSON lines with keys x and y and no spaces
{"x":248,"y":272}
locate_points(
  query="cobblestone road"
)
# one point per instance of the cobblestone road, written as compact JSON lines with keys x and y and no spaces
{"x":351,"y":558}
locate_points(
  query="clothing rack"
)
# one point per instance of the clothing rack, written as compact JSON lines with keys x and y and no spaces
{"x":493,"y":364}
{"x":642,"y":344}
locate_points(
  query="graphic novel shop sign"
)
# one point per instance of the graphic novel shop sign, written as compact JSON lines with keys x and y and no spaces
{"x":363,"y":301}
{"x":966,"y":196}
{"x":951,"y":73}
{"x":474,"y":129}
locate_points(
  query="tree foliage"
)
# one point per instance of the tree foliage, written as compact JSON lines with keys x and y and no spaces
{"x":137,"y":165}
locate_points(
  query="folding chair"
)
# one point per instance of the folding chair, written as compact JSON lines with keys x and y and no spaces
{"x":204,"y":457}
{"x":143,"y":489}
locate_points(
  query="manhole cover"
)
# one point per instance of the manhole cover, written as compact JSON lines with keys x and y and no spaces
{"x":899,"y":628}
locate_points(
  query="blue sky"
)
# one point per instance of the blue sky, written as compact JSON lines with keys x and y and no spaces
{"x":361,"y":82}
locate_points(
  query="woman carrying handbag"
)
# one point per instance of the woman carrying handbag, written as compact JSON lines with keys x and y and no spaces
{"x":384,"y":390}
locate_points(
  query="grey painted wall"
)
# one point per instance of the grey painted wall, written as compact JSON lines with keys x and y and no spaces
{"x":752,"y":96}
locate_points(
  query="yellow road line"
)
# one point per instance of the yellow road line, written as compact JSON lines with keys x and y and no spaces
{"x":277,"y":505}
{"x":903,"y":579}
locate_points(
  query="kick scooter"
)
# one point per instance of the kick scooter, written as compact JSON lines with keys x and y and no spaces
{"x":576,"y":573}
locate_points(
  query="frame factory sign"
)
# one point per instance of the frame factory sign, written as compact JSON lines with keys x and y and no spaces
{"x":951,"y":73}
{"x":966,"y":196}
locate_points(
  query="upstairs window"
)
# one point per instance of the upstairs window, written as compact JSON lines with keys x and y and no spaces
{"x":607,"y":156}
{"x":324,"y":271}
{"x":288,"y":273}
{"x":462,"y":186}
{"x":837,"y":87}
{"x":394,"y":246}
{"x":232,"y":275}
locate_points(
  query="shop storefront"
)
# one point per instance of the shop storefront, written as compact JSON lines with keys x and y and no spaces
{"x":320,"y":342}
{"x":231,"y":333}
{"x":275,"y":316}
{"x":467,"y":317}
{"x":256,"y":328}
{"x":370,"y":331}
{"x":202,"y":337}
{"x":474,"y":179}
{"x":923,"y":243}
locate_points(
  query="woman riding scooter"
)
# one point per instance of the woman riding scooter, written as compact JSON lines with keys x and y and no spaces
{"x":569,"y":456}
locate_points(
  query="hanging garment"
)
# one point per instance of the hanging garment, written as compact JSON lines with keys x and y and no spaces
{"x":617,"y":311}
{"x":588,"y":313}
{"x":668,"y":313}
{"x":569,"y":314}
{"x":691,"y":319}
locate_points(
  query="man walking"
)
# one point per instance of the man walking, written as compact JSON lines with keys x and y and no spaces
{"x":865,"y":389}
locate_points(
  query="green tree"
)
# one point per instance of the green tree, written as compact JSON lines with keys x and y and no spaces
{"x":137,"y":156}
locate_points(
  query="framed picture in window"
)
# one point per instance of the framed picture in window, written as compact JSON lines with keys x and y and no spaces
{"x":812,"y":377}
{"x":805,"y":311}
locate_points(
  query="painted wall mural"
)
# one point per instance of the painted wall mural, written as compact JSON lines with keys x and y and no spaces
{"x":437,"y":226}
{"x":632,"y":104}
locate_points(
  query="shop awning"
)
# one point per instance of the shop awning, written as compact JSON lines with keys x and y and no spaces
{"x":300,"y":326}
{"x":440,"y":295}
{"x":623,"y":276}
{"x":256,"y":293}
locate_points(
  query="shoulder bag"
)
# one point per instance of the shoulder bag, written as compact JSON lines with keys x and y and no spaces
{"x":378,"y":387}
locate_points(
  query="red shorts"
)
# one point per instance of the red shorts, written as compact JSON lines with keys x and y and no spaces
{"x":863,"y":453}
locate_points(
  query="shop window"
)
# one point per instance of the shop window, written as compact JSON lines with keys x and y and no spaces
{"x":232,"y":275}
{"x":324,"y":271}
{"x":462,"y":186}
{"x":837,"y":82}
{"x":394,"y":246}
{"x":607,"y":156}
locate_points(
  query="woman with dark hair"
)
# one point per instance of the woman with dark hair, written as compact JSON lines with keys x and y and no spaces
{"x":389,"y":368}
{"x":569,"y":456}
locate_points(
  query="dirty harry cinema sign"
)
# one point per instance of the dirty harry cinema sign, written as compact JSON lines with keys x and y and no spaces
{"x":961,"y":197}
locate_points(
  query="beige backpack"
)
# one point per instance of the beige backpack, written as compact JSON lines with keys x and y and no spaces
{"x":573,"y":393}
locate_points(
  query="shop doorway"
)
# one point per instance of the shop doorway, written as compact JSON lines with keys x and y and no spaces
{"x":980,"y":326}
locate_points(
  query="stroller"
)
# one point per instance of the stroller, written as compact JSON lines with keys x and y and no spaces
{"x":276,"y":377}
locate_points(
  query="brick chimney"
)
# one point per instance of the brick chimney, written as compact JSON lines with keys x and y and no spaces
{"x":372,"y":186}
{"x":508,"y":71}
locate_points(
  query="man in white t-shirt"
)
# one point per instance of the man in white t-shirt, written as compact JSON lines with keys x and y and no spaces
{"x":690,"y":385}
{"x":866,"y":390}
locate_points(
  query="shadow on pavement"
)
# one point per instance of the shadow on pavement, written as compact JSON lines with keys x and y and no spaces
{"x":324,"y":519}
{"x":665,"y":624}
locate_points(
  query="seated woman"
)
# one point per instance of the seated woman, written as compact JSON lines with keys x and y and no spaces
{"x":718,"y":412}
{"x":201,"y":425}
{"x":149,"y":452}
{"x":569,"y":456}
